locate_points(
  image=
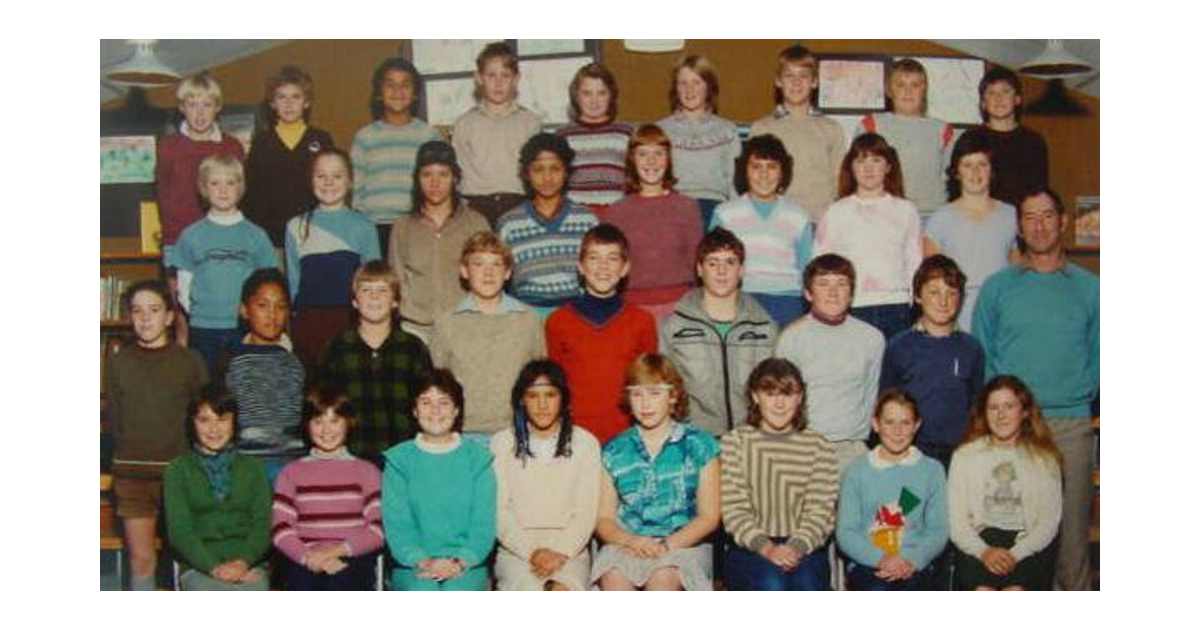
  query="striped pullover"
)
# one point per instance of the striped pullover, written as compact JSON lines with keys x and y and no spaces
{"x":384,"y":156}
{"x":268,"y":384}
{"x":545,"y":251}
{"x":778,"y":485}
{"x":324,"y":500}
{"x":598,"y":171}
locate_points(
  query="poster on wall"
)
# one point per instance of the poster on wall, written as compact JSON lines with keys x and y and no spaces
{"x":851,"y":83}
{"x":127,"y":159}
{"x":1087,"y":221}
{"x":536,"y":47}
{"x":953,"y":91}
{"x":444,"y":56}
{"x":545,"y":87}
{"x":447,"y":99}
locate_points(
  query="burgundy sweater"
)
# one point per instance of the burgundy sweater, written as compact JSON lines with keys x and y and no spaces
{"x":663,"y":233}
{"x":179,"y":159}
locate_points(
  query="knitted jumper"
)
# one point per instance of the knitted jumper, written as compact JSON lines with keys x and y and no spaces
{"x":882,"y":237}
{"x":489,"y":148}
{"x":384,"y":156}
{"x":545,"y":251}
{"x":205,"y":532}
{"x":598,"y":171}
{"x":778,"y":485}
{"x":219,"y":258}
{"x":278,"y":183}
{"x":427,"y":260}
{"x":943,"y":374}
{"x":923,"y":146}
{"x":979,"y":247}
{"x":324,"y":249}
{"x":778,"y":246}
{"x":1020,"y":161}
{"x":323,"y":501}
{"x":703,"y":153}
{"x":175,"y":179}
{"x":268,"y":384}
{"x":663,"y":234}
{"x":817,"y":145}
{"x":595,"y":358}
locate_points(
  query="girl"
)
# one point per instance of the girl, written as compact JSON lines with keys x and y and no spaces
{"x":279,"y":165}
{"x":660,"y":494}
{"x":547,"y":475}
{"x":324,"y":247}
{"x":599,"y":142}
{"x":218,"y":503}
{"x":975,"y":229}
{"x":779,"y":482}
{"x":265,"y":377}
{"x":778,"y":233}
{"x":704,"y":144}
{"x":425,"y":246}
{"x":1005,"y":493}
{"x":878,"y":230}
{"x":892,"y":509}
{"x":545,"y":232}
{"x":439,"y":497}
{"x":326,"y":516}
{"x":663,"y":226}
{"x":148,"y":385}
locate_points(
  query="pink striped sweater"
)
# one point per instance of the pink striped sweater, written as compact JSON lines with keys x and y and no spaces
{"x":324,"y":501}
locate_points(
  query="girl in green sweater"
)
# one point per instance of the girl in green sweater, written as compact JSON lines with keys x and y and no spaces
{"x":218,"y":503}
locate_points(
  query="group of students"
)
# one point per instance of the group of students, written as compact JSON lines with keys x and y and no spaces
{"x":604,"y":322}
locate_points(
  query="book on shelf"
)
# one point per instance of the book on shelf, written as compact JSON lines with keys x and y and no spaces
{"x":111,"y":290}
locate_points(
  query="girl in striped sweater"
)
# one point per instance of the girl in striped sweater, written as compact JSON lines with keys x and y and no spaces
{"x":779,"y":482}
{"x":326,"y":514}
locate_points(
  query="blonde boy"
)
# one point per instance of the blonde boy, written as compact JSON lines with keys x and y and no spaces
{"x":921,"y":142}
{"x":377,"y":364}
{"x":489,"y":137}
{"x":816,"y":143}
{"x":488,"y":337}
{"x":215,"y":256}
{"x":179,"y":155}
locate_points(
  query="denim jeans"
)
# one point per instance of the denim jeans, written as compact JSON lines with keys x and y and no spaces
{"x":889,"y":319}
{"x":211,"y":343}
{"x":746,"y":570}
{"x":783,"y":309}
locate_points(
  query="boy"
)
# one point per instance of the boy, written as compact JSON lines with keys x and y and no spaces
{"x":717,"y":335}
{"x":935,"y":363}
{"x":1020,"y":160}
{"x":179,"y":155}
{"x":278,"y":183}
{"x":488,"y":337}
{"x":816,"y":143}
{"x":921,"y":142}
{"x":595,"y":337}
{"x":489,"y":137}
{"x":377,"y":364}
{"x":384,"y":152}
{"x":545,"y":232}
{"x":265,"y":377}
{"x":840,"y":357}
{"x":214,"y":256}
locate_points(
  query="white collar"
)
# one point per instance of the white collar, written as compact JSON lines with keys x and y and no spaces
{"x":226,"y":219}
{"x":213,"y":136}
{"x":438,"y":449}
{"x":878,"y":462}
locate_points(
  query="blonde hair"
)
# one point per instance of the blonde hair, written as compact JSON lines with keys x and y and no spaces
{"x":487,"y":243}
{"x":214,"y":165}
{"x":376,"y":271}
{"x":652,"y":368}
{"x":199,"y":86}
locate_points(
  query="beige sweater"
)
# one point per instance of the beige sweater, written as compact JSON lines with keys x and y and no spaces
{"x":489,"y":148}
{"x":486,"y":353}
{"x":427,"y":259}
{"x":548,"y":504}
{"x":817,"y":146}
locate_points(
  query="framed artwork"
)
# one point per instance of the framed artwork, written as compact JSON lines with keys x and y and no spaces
{"x":1087,"y":222}
{"x":447,"y":99}
{"x":545,"y":87}
{"x":447,"y":56}
{"x":953,"y":94}
{"x":127,"y":159}
{"x":852,"y":83}
{"x":539,"y":47}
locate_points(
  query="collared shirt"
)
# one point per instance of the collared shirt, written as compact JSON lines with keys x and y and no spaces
{"x":508,"y":304}
{"x":382,"y":384}
{"x":657,"y":496}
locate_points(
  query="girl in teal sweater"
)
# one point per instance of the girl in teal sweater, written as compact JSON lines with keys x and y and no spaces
{"x":439,"y":497}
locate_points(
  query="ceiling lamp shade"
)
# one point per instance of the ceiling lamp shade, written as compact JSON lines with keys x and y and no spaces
{"x":1055,"y":61}
{"x":143,"y":68}
{"x":654,"y":45}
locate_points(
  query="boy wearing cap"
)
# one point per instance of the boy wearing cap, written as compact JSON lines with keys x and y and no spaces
{"x":426,"y":245}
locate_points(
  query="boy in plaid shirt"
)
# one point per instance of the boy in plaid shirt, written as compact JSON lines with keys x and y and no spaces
{"x":377,"y":364}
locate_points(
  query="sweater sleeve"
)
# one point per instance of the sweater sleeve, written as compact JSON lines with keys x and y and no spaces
{"x":576,"y":536}
{"x":181,"y":521}
{"x":284,"y":514}
{"x":264,"y":251}
{"x":403,"y":537}
{"x":508,"y":529}
{"x":367,"y":539}
{"x":258,"y":539}
{"x":804,"y":247}
{"x":959,"y":501}
{"x":820,"y":500}
{"x":854,"y":519}
{"x":1045,"y":479}
{"x":291,"y":251}
{"x":737,"y":512}
{"x":924,"y":544}
{"x":481,"y":526}
{"x":912,"y":240}
{"x":358,"y":161}
{"x":983,"y":324}
{"x":890,"y":374}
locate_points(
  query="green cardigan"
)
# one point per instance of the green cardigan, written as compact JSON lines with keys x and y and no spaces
{"x":206,"y":533}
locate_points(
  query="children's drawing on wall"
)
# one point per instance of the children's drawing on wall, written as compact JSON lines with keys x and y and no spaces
{"x":126,"y":159}
{"x":851,"y":84}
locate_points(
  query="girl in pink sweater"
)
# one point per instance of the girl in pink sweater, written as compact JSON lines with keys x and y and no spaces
{"x":326,"y":514}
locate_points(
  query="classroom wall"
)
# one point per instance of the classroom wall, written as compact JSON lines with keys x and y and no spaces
{"x":341,"y":70}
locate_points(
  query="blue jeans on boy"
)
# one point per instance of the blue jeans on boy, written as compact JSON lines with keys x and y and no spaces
{"x":783,"y":309}
{"x":211,"y":343}
{"x":888,"y":318}
{"x":861,"y":577}
{"x":746,"y":570}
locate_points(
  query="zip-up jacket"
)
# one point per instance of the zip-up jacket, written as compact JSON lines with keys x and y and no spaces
{"x":715,"y":369}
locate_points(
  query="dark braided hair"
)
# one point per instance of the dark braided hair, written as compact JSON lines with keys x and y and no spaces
{"x":558,"y":379}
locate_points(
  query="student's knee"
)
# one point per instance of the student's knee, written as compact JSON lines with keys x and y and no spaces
{"x":614,"y":580}
{"x":665,"y":579}
{"x":1015,"y":587}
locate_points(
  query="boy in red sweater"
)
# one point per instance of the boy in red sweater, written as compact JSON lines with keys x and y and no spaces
{"x":595,"y":337}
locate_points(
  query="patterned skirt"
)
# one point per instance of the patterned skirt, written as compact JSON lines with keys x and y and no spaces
{"x":694,"y":564}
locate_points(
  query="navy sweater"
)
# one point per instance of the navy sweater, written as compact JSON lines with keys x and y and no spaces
{"x":943,"y":374}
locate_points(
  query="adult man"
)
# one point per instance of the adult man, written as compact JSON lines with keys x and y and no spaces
{"x":1039,"y":320}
